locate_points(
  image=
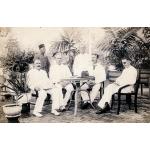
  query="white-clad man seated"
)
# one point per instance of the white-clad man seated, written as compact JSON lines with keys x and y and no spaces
{"x":57,"y":73}
{"x":128,"y":77}
{"x":98,"y":71}
{"x":37,"y":80}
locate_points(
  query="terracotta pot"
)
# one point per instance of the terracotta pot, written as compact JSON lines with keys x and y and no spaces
{"x":12,"y":110}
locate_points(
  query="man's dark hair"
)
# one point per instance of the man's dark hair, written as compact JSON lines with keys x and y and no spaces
{"x":126,"y":57}
{"x":41,"y":46}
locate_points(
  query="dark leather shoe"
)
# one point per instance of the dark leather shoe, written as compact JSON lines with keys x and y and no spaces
{"x":104,"y":110}
{"x":107,"y":107}
{"x":95,"y":105}
{"x":101,"y":111}
{"x":84,"y":105}
{"x":62,"y":109}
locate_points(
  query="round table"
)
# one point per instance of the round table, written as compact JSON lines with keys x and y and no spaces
{"x":76,"y":80}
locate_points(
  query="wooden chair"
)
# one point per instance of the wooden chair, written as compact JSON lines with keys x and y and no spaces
{"x":144,"y":78}
{"x":112,"y":75}
{"x":128,"y":96}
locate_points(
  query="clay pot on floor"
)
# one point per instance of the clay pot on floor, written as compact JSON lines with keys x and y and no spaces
{"x":12,"y":112}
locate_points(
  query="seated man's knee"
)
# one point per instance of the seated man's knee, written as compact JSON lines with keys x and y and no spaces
{"x":69,"y":88}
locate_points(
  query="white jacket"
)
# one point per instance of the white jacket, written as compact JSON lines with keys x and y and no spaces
{"x":82,"y":62}
{"x":128,"y":76}
{"x":59,"y":72}
{"x":38,"y":78}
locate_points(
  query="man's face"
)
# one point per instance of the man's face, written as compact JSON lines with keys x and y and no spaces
{"x":126,"y":63}
{"x":37,"y":64}
{"x":42,"y":50}
{"x":58,"y":58}
{"x":94,"y":59}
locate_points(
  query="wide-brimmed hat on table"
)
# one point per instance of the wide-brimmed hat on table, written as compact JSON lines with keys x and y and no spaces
{"x":84,"y":74}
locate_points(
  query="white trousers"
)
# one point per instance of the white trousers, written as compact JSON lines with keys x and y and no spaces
{"x":84,"y":94}
{"x":69,"y":88}
{"x":56,"y":94}
{"x":109,"y":91}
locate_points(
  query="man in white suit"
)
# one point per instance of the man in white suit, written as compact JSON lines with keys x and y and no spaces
{"x":128,"y":76}
{"x":98,"y":71}
{"x":37,"y":80}
{"x":57,"y":73}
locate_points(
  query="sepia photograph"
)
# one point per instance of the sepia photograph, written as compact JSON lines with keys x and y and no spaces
{"x":74,"y":74}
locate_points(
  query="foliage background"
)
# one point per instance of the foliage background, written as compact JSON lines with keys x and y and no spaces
{"x":19,"y":45}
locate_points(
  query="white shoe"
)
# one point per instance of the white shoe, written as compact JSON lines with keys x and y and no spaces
{"x":56,"y":113}
{"x":37,"y":114}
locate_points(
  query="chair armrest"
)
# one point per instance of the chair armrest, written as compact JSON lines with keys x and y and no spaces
{"x":123,"y":87}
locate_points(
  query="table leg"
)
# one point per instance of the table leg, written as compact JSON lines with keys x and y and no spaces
{"x":76,"y":101}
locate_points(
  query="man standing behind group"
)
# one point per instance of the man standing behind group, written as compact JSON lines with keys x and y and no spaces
{"x":57,"y":73}
{"x":45,"y":64}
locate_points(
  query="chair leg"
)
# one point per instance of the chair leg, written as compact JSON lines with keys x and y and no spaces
{"x":135,"y":103}
{"x":69,"y":105}
{"x":100,"y":93}
{"x":119,"y":102}
{"x":128,"y":100}
{"x":141,"y":89}
{"x":103,"y":88}
{"x":112,"y":102}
